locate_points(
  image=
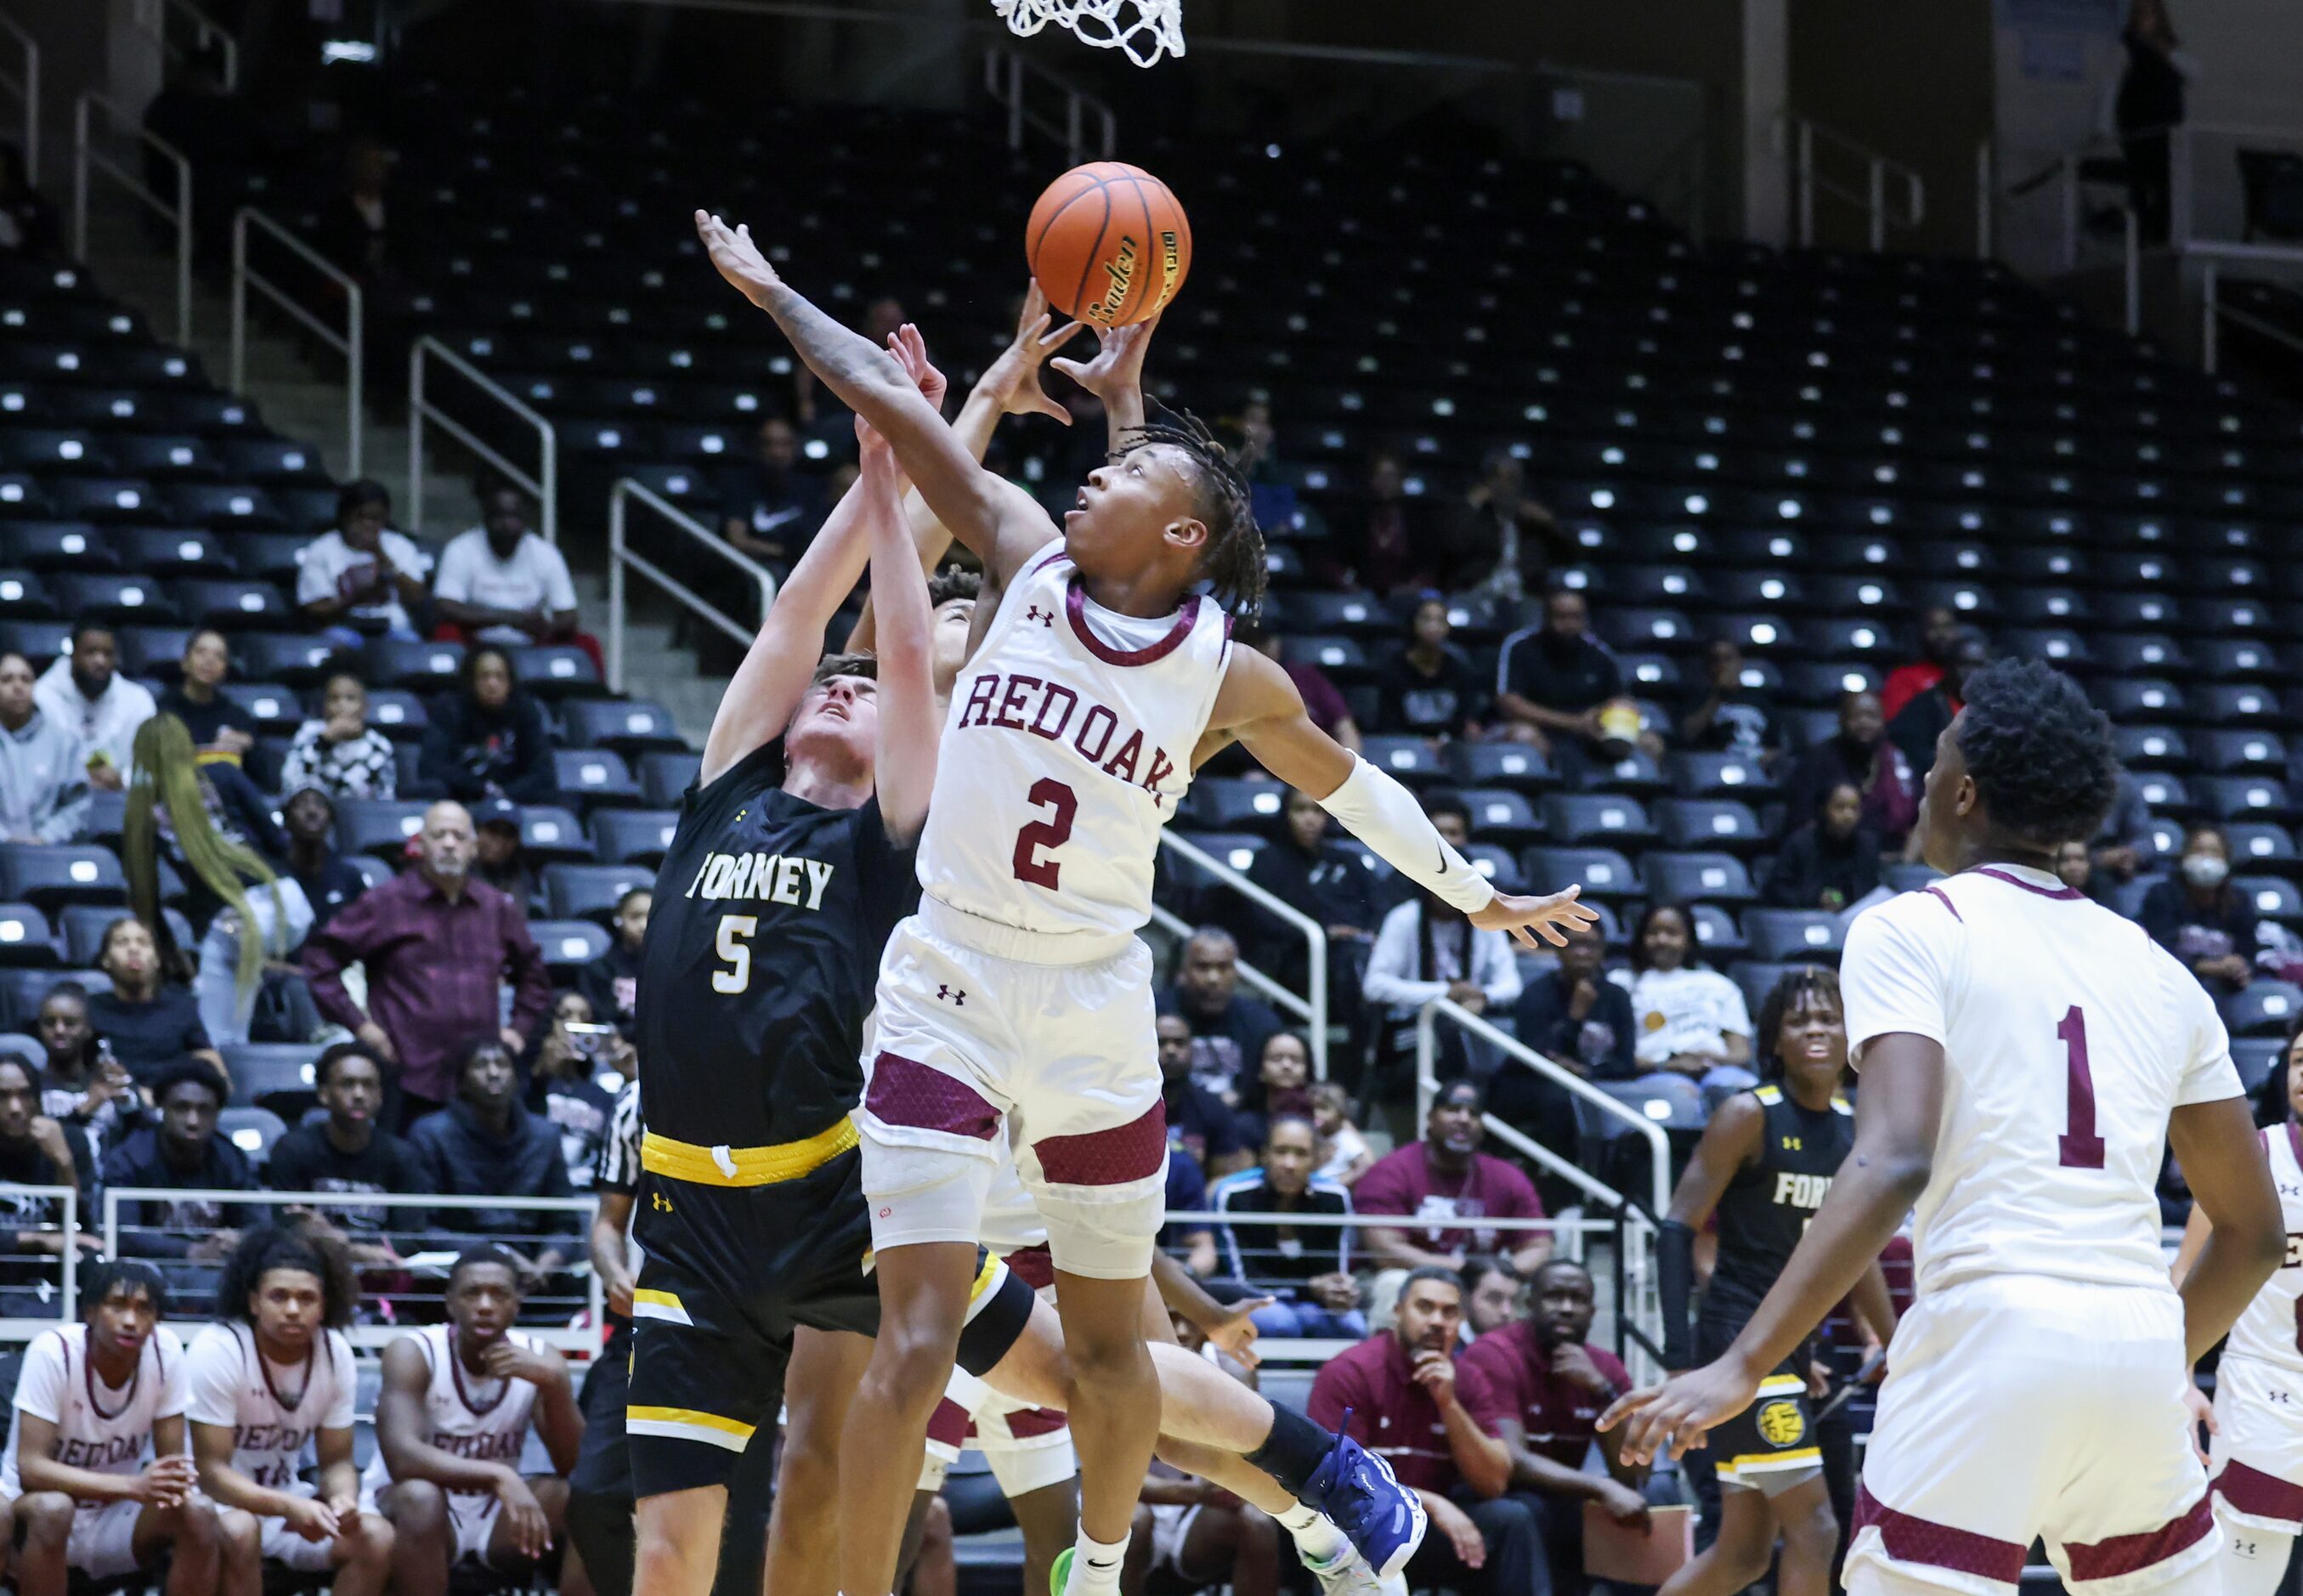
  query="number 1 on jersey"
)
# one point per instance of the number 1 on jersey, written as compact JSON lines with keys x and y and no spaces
{"x":2078,"y":1146}
{"x":1045,"y":833}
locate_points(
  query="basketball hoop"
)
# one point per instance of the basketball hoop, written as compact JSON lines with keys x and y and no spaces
{"x":1146,"y":30}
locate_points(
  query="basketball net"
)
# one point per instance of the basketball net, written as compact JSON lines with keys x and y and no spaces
{"x":1146,"y":30}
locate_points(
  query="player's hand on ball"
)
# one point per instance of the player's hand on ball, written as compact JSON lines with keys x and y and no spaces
{"x":1673,"y":1417}
{"x":1526,"y":918}
{"x":1014,"y":376}
{"x":911,"y":352}
{"x":737,"y":257}
{"x":1119,"y":364}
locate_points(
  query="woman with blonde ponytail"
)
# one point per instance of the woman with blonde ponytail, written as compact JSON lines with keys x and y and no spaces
{"x":212,"y":825}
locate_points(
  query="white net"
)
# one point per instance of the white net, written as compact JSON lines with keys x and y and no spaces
{"x":1147,"y":29}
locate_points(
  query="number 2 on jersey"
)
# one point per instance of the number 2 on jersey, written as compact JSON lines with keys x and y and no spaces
{"x":2079,"y":1147}
{"x":1045,"y":833}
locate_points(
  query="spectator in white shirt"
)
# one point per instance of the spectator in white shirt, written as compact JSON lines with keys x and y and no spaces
{"x":1426,"y":949}
{"x":1691,"y":1020}
{"x":84,"y":693}
{"x":501,"y":583}
{"x":359,"y":580}
{"x":339,"y":752}
{"x":42,"y":781}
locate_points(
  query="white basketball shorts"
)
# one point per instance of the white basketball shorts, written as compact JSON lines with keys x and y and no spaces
{"x":103,"y":1540}
{"x":472,"y":1517}
{"x":1027,"y":1448}
{"x":987,"y":1039}
{"x":285,"y":1546}
{"x":2019,"y":1407}
{"x":2257,"y":1454}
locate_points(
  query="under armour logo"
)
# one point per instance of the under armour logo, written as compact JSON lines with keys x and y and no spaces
{"x":1044,"y":617}
{"x":955,"y":997}
{"x":660,"y":1203}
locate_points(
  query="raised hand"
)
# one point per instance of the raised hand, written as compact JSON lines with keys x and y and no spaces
{"x":1119,"y":364}
{"x":1549,"y":917}
{"x":1014,"y":376}
{"x":737,"y":257}
{"x":911,"y":352}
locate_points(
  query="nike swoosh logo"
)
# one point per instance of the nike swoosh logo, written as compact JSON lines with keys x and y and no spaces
{"x":1443,"y":857}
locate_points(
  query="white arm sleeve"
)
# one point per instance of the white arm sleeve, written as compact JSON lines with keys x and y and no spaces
{"x":1384,"y":815}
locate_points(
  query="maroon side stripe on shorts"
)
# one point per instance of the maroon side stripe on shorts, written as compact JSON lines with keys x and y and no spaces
{"x":2266,"y":1496}
{"x":2125,"y":1554}
{"x":1910,"y":1540}
{"x":907,"y":1093}
{"x":1136,"y":1150}
{"x":1034,"y":1266}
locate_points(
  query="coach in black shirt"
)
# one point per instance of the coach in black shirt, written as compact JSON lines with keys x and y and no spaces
{"x":1551,"y":680}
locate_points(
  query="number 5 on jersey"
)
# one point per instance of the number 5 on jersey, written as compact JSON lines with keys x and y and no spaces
{"x":1050,"y":834}
{"x":734,"y":944}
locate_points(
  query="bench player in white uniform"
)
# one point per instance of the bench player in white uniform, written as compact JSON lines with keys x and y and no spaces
{"x":96,"y":1465}
{"x":452,"y":1421}
{"x":1020,"y":988}
{"x":2256,"y":1458}
{"x":2026,"y":1056}
{"x":276,"y":1376}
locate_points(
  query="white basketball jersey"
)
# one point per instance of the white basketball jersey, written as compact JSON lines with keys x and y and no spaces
{"x":1067,"y":746}
{"x":2271,"y":1330}
{"x":273,"y":1411}
{"x":2068,"y":1036}
{"x":485,"y":1419}
{"x":99,"y":1429}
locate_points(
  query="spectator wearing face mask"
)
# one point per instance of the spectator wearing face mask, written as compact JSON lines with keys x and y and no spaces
{"x":2200,"y":918}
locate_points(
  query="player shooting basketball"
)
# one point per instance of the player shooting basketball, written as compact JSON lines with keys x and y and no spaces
{"x":1016,"y":1006}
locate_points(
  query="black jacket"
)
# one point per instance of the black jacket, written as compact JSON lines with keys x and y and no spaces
{"x":138,"y":1161}
{"x":470,"y":755}
{"x":611,"y":984}
{"x":459,"y":1157}
{"x":1816,"y":872}
{"x":1602,"y":1041}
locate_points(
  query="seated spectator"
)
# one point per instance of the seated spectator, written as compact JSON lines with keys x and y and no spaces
{"x":2200,"y":918}
{"x":184,"y":1151}
{"x":221,"y":731}
{"x":354,"y":229}
{"x":446,"y":1470}
{"x":1729,"y":715}
{"x":1429,"y":687}
{"x":768,"y":508}
{"x":1282,"y":1085}
{"x":1691,"y":1020}
{"x":1187,"y":1192}
{"x":329,"y":880}
{"x":1862,"y":754}
{"x":83,"y":1087}
{"x":436,"y":945}
{"x":88,"y":1501}
{"x":488,"y":739}
{"x":284,"y":1300}
{"x":1939,"y":631}
{"x":149,"y":1025}
{"x":560,"y":1088}
{"x":83,"y":692}
{"x":1550,"y":1386}
{"x":611,"y":981}
{"x":1503,"y":541}
{"x":361,"y":580}
{"x":1323,"y":701}
{"x":43,"y":768}
{"x":2075,"y":868}
{"x":1915,"y":726}
{"x":2124,"y":840}
{"x":1199,"y":1122}
{"x":485,"y":1145}
{"x":341,"y":754}
{"x":1402,"y":1391}
{"x":29,"y":228}
{"x":1446,"y":1178}
{"x":35,"y":1151}
{"x":1307,"y":1269}
{"x":1831,"y":862}
{"x":1428,"y":949}
{"x":1580,"y":1020}
{"x":1387,"y":541}
{"x":350,"y":1154}
{"x":1491,"y":1296}
{"x":1227,"y":1028}
{"x":1560,"y":690}
{"x":1319,"y":878}
{"x":498,"y":859}
{"x":1344,"y":1155}
{"x":215,"y":831}
{"x":501,"y":583}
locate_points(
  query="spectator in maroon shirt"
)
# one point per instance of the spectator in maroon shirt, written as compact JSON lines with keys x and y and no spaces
{"x":1402,"y":1396}
{"x":1549,"y":1389}
{"x":1395,"y":547}
{"x":1446,"y":1177}
{"x":436,"y":944}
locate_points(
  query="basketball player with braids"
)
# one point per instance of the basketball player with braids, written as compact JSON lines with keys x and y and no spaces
{"x":1016,"y":1006}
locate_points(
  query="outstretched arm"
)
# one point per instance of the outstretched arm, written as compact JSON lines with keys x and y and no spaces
{"x":1260,"y":705}
{"x":999,"y":523}
{"x":1115,"y":376}
{"x":905,"y":767}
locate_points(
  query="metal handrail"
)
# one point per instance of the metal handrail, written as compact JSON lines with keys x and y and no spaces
{"x":23,"y":1329}
{"x":86,"y":157}
{"x":1005,"y":73}
{"x":1312,"y":1006}
{"x":206,"y":31}
{"x":582,"y":1341}
{"x":621,"y":555}
{"x":544,"y":486}
{"x":26,"y":87}
{"x":2212,"y":312}
{"x":1802,"y":133}
{"x":349,"y":343}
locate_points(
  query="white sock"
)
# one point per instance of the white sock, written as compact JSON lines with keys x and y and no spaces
{"x":1095,"y":1566}
{"x":2253,"y":1560}
{"x":1316,"y":1540}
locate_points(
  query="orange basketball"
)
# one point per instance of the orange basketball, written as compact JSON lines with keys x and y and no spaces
{"x":1108,"y":244}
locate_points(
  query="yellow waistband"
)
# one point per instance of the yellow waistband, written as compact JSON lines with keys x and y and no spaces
{"x":745,"y":1166}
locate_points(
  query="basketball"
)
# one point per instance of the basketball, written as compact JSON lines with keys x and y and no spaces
{"x":1108,"y":244}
